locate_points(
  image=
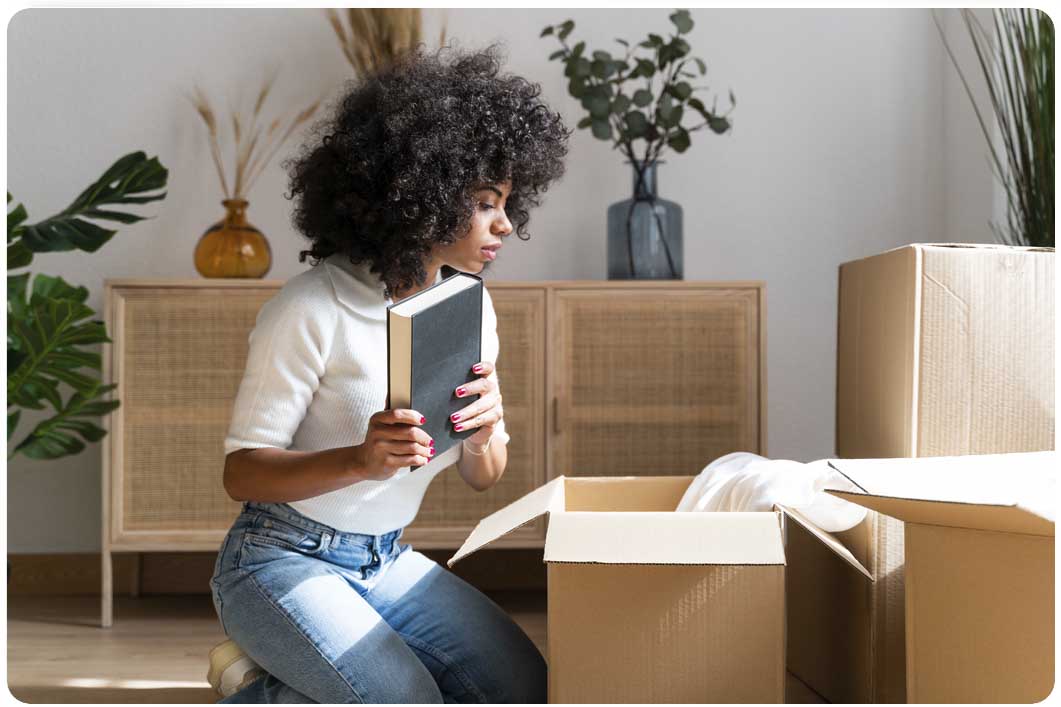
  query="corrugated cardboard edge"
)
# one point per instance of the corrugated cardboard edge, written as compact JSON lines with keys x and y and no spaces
{"x":827,"y":539}
{"x":544,"y":499}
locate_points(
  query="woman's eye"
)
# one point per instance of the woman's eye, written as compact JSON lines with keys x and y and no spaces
{"x":485,"y":205}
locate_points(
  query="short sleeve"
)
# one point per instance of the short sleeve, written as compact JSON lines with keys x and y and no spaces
{"x":491,"y":349}
{"x":286,"y":357}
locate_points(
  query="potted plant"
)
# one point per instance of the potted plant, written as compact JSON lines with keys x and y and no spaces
{"x":48,"y":325}
{"x":624,"y":107}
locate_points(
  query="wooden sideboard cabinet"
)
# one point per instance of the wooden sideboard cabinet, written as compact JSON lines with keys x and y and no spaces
{"x":598,"y":377}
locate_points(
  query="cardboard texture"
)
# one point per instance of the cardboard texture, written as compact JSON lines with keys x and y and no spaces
{"x":942,"y":349}
{"x":979,"y":548}
{"x":649,"y":605}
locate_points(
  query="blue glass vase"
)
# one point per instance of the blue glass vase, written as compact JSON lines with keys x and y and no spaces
{"x":645,"y":232}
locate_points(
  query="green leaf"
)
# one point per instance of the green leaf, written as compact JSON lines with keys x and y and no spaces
{"x":718,"y":124}
{"x":623,"y":42}
{"x":602,"y":56}
{"x":598,"y":106}
{"x":679,"y":141}
{"x":576,"y":51}
{"x":565,"y":29}
{"x":602,"y":130}
{"x":546,"y":32}
{"x":557,"y":54}
{"x":698,"y":105}
{"x":18,"y":255}
{"x":582,"y":68}
{"x":636,"y":123}
{"x":12,"y":422}
{"x":646,"y":68}
{"x":642,"y":97}
{"x":682,"y":21}
{"x":129,"y":175}
{"x":577,"y":88}
{"x":700,"y":63}
{"x":585,"y":122}
{"x":14,"y":217}
{"x":46,"y":287}
{"x":621,"y":104}
{"x":732,"y":98}
{"x":681,"y":90}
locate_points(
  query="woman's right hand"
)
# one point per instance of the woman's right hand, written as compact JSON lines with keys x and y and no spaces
{"x":394,"y":440}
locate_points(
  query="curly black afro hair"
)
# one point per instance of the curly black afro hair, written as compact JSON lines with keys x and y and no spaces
{"x":390,"y":173}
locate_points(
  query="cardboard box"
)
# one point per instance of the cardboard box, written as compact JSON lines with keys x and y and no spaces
{"x":649,"y":605}
{"x":979,"y":546}
{"x":942,"y":349}
{"x":946,"y":349}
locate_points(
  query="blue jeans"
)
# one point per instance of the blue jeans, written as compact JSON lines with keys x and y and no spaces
{"x":337,"y":617}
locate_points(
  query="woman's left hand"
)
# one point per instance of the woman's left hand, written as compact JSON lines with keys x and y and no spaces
{"x":484,"y":413}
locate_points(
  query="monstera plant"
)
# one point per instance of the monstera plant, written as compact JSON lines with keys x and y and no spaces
{"x":49,"y":326}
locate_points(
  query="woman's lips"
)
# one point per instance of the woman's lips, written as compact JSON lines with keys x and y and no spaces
{"x":489,"y":253}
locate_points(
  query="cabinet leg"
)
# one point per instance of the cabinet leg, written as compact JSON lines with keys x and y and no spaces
{"x":107,"y":590}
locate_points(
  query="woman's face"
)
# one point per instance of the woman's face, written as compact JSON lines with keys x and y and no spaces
{"x":479,"y":247}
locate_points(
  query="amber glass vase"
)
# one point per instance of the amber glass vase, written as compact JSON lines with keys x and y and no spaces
{"x":232,"y":247}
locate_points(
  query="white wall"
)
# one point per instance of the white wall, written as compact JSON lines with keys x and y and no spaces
{"x":850,"y":138}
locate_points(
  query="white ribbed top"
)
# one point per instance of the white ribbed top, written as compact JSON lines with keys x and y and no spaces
{"x":316,"y":372}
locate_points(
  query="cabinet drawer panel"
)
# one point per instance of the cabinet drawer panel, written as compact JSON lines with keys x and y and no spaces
{"x":451,"y":503}
{"x":654,"y":382}
{"x":181,"y":354}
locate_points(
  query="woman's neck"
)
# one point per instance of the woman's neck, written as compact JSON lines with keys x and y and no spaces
{"x":432,"y":273}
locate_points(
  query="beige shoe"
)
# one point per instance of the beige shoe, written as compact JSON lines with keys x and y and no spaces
{"x":231,"y":669}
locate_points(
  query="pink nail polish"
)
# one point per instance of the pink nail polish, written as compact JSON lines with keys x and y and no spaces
{"x":458,"y":427}
{"x":460,"y":392}
{"x":477,"y":368}
{"x":431,"y":453}
{"x":455,"y":416}
{"x":422,"y":419}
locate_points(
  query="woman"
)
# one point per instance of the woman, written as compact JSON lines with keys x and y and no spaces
{"x":428,"y":165}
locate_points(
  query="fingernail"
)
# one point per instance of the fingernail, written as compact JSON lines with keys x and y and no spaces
{"x":460,"y":391}
{"x":432,"y":443}
{"x":477,"y":367}
{"x":422,"y":419}
{"x":455,"y":416}
{"x":431,"y":453}
{"x":458,"y":427}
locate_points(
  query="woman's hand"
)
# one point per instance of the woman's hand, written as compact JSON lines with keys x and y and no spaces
{"x":394,"y":440}
{"x":484,"y":414}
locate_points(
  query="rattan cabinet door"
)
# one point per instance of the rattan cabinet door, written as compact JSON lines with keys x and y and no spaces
{"x":451,"y":508}
{"x":178,"y":355}
{"x":653,"y":381}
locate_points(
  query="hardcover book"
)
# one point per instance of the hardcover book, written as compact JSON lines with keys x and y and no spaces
{"x":434,"y":337}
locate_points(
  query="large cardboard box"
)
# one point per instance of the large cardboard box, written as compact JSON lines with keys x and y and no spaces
{"x":979,"y":540}
{"x":942,"y":349}
{"x":649,"y":605}
{"x":946,"y":349}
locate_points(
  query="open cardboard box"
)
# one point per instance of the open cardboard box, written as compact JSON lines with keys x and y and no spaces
{"x":649,"y":605}
{"x":979,"y":574}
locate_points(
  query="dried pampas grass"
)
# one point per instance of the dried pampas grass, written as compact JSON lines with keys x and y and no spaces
{"x":377,"y":36}
{"x":252,"y":149}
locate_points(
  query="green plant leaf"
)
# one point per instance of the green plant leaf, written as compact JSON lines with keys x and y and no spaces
{"x":700,"y":63}
{"x":577,"y":88}
{"x":679,"y":141}
{"x":577,"y":50}
{"x":642,"y":97}
{"x":18,"y":255}
{"x":598,"y":106}
{"x":621,"y":104}
{"x":602,"y":130}
{"x":623,"y":42}
{"x":557,"y":54}
{"x":718,"y":124}
{"x":132,"y":174}
{"x":682,"y":21}
{"x":565,"y":29}
{"x":636,"y":123}
{"x":583,"y":68}
{"x":12,"y":422}
{"x":585,"y":122}
{"x":681,"y":90}
{"x":546,"y":32}
{"x":14,"y":218}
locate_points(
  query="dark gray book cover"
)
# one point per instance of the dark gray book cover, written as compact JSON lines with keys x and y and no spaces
{"x":446,"y":341}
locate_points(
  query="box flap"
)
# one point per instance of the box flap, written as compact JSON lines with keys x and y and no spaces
{"x":657,"y":538}
{"x":544,"y":499}
{"x":828,"y":539}
{"x":1003,"y":492}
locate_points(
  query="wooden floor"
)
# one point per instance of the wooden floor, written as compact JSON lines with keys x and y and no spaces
{"x":156,"y":651}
